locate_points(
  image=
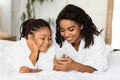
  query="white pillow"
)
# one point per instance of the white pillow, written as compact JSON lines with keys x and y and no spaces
{"x":5,"y":65}
{"x":114,"y":59}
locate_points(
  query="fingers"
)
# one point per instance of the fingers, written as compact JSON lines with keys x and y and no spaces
{"x":24,"y":69}
{"x":58,"y":68}
{"x":55,"y":57}
{"x":55,"y":60}
{"x":63,"y":56}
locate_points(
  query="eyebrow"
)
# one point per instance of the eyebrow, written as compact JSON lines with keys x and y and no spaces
{"x":71,"y":26}
{"x":68,"y":27}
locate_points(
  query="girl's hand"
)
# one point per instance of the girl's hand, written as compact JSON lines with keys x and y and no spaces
{"x":24,"y":69}
{"x":65,"y":64}
{"x":32,"y":45}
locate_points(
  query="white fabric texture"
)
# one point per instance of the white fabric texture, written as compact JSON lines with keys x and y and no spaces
{"x":19,"y":55}
{"x":94,"y":56}
{"x":45,"y":61}
{"x":113,"y":73}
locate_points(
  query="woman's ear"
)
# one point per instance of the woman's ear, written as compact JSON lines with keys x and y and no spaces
{"x":81,"y":27}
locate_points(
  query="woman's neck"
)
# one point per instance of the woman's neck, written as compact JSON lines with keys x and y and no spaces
{"x":76,"y":44}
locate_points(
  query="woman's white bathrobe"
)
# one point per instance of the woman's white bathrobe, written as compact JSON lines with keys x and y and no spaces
{"x":94,"y":56}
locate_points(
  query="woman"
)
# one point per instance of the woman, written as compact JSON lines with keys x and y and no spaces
{"x":78,"y":35}
{"x":35,"y":39}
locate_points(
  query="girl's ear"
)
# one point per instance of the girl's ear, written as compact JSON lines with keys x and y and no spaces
{"x":30,"y":36}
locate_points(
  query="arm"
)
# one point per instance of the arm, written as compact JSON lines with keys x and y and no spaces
{"x":83,"y":68}
{"x":33,"y":57}
{"x":34,"y":51}
{"x":67,"y":64}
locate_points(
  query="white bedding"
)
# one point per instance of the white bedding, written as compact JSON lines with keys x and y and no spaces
{"x":113,"y":73}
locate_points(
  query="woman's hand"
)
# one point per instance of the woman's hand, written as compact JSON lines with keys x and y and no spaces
{"x":64,"y":64}
{"x":67,"y":64}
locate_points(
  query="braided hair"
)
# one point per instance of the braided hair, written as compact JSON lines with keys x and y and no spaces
{"x":31,"y":25}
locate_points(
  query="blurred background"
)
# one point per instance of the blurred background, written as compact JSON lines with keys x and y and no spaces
{"x":14,"y":12}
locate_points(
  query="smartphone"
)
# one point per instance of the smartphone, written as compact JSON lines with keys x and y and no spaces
{"x":60,"y":52}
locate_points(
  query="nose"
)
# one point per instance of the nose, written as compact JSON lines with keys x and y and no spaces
{"x":66,"y":33}
{"x":47,"y":41}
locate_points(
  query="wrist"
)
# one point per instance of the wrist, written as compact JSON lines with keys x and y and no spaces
{"x":30,"y":70}
{"x":35,"y":51}
{"x":76,"y":67}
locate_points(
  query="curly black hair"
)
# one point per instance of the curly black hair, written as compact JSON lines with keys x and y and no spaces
{"x":77,"y":14}
{"x":28,"y":26}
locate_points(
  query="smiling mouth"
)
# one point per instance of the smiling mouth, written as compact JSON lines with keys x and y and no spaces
{"x":68,"y":39}
{"x":46,"y":47}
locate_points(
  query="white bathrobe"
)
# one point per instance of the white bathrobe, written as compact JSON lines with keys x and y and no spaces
{"x":19,"y":55}
{"x":94,"y":56}
{"x":45,"y":61}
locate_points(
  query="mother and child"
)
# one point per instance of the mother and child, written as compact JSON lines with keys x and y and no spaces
{"x":75,"y":32}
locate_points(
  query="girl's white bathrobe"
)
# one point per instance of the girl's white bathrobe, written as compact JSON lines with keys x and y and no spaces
{"x":94,"y":56}
{"x":19,"y":56}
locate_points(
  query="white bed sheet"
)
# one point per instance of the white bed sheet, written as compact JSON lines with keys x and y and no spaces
{"x":57,"y":75}
{"x":113,"y":73}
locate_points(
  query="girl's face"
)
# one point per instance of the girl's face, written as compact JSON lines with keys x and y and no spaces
{"x":70,"y":31}
{"x":42,"y":39}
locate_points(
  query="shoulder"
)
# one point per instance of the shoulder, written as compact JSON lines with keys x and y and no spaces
{"x":98,"y":39}
{"x":98,"y":42}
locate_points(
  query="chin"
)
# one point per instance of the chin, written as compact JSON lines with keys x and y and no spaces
{"x":70,"y":42}
{"x":45,"y":50}
{"x":42,"y":50}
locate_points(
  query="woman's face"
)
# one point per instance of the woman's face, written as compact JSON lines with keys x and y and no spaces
{"x":70,"y":31}
{"x":43,"y":39}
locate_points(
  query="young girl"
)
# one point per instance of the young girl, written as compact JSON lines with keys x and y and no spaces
{"x":78,"y":35}
{"x":35,"y":38}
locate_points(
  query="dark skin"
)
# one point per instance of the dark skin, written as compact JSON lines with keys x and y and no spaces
{"x":25,"y":69}
{"x":39,"y":41}
{"x":33,"y":56}
{"x":67,"y":64}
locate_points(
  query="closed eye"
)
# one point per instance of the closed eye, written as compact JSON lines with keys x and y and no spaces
{"x":71,"y":29}
{"x":43,"y":38}
{"x":61,"y":30}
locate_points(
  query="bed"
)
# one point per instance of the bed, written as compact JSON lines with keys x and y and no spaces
{"x":113,"y":73}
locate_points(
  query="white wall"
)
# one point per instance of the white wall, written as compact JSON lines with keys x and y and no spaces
{"x":5,"y":16}
{"x":116,"y":25}
{"x":18,"y":6}
{"x":95,"y":8}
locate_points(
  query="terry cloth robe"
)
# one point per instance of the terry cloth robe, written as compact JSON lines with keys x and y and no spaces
{"x":94,"y":56}
{"x":45,"y":61}
{"x":19,"y":55}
